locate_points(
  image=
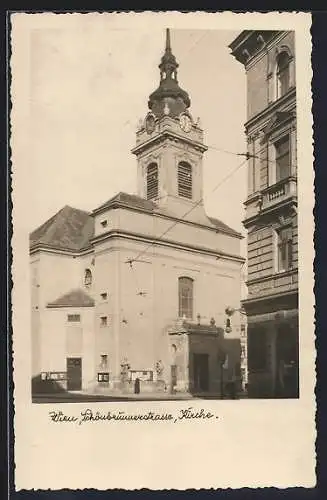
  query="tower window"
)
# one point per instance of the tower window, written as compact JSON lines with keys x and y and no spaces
{"x":283,"y":73}
{"x":184,"y":177}
{"x":185,"y":297}
{"x":152,"y":181}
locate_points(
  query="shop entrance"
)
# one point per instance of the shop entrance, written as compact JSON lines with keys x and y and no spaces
{"x":201,"y":372}
{"x":287,"y":362}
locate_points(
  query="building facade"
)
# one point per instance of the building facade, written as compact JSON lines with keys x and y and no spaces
{"x":271,"y":212}
{"x":131,"y":297}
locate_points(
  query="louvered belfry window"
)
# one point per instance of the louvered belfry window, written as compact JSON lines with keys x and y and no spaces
{"x":184,"y":176}
{"x":152,"y":181}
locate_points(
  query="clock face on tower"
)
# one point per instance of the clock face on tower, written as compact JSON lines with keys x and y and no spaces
{"x":185,"y":122}
{"x":150,"y":123}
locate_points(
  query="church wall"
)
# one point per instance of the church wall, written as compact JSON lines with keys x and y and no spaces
{"x":35,"y":313}
{"x":143,"y":338}
{"x":58,"y":274}
{"x":61,"y":339}
{"x":106,"y":306}
{"x":148,"y":225}
{"x":106,"y":221}
{"x":52,"y":276}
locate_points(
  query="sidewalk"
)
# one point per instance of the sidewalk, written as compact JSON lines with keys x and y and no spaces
{"x":84,"y":397}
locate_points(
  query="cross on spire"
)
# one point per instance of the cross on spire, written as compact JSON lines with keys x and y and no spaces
{"x":168,"y":46}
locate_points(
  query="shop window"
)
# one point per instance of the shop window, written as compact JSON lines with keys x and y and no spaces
{"x":103,"y":377}
{"x":257,"y":350}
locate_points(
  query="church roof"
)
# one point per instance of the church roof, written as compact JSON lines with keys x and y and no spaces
{"x":69,"y":229}
{"x":221,"y":226}
{"x":74,"y":298}
{"x":72,"y":229}
{"x":131,"y":200}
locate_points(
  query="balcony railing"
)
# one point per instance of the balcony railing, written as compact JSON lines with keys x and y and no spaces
{"x":279,"y":192}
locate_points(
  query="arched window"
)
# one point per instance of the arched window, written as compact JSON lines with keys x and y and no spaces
{"x":152,"y":181}
{"x":282,"y":73}
{"x":87,"y":278}
{"x":184,"y":179}
{"x":185,"y":297}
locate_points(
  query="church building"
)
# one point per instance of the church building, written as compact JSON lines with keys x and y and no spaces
{"x":132,"y":296}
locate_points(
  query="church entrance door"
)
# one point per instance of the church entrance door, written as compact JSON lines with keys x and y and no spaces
{"x":74,"y":374}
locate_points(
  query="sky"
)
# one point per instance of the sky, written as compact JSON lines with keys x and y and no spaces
{"x":89,"y":86}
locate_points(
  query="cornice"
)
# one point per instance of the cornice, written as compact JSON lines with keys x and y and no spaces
{"x":118,"y":204}
{"x":250,"y":43}
{"x":268,"y":298}
{"x":271,"y":109}
{"x":172,"y":136}
{"x":166,"y":243}
{"x":289,"y":272}
{"x":41,"y":247}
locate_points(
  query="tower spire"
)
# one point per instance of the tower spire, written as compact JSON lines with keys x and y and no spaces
{"x":168,"y":94}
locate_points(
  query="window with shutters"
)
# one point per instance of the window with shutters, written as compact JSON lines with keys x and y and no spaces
{"x":285,"y":249}
{"x":152,"y":178}
{"x":184,"y":176}
{"x":282,"y":158}
{"x":185,"y":297}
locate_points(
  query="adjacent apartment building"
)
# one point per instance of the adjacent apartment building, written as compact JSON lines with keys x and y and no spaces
{"x":271,"y":212}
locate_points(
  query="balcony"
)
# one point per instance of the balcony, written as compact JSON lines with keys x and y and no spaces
{"x":278,"y":193}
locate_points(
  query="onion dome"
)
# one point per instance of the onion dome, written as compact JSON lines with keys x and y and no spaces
{"x":169,"y":98}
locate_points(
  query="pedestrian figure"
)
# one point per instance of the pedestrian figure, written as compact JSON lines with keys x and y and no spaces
{"x":137,"y":386}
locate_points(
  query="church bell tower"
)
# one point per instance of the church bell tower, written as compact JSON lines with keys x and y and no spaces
{"x":169,"y":148}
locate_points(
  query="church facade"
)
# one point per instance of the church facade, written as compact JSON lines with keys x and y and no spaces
{"x":132,"y":296}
